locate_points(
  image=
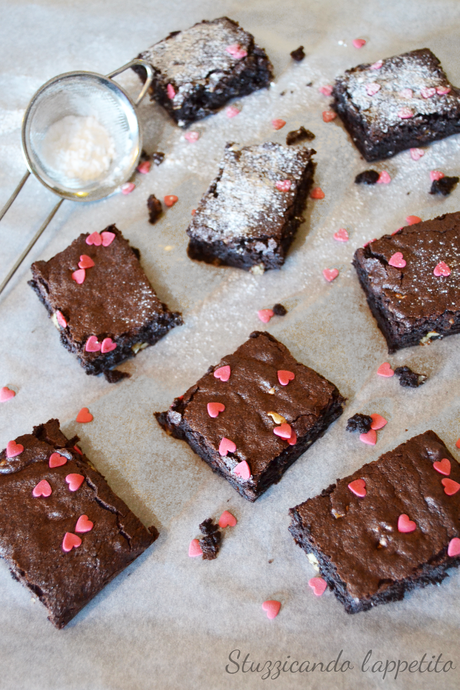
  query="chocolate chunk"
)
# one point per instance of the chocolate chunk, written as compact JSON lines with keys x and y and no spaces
{"x":359,"y":422}
{"x":207,"y":527}
{"x":154,"y":207}
{"x":158,"y":157}
{"x":298,"y":135}
{"x":298,"y":54}
{"x":409,"y":378}
{"x":210,"y":543}
{"x":367,"y":177}
{"x":443,"y":186}
{"x":113,"y":375}
{"x":279,"y":310}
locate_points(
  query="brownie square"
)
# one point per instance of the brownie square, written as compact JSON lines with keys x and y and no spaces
{"x":114,"y":313}
{"x":63,"y":532}
{"x":249,"y":215}
{"x":198,"y":70}
{"x":420,"y":300}
{"x":390,"y":532}
{"x":398,"y":103}
{"x":251,"y":416}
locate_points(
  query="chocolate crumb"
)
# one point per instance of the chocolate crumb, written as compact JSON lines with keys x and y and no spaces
{"x":271,"y":560}
{"x":154,"y":207}
{"x":409,"y":378}
{"x":158,"y":157}
{"x":298,"y":54}
{"x":282,"y":93}
{"x":298,"y":135}
{"x":113,"y":375}
{"x":367,"y":177}
{"x":443,"y":186}
{"x":210,"y":542}
{"x":145,"y":156}
{"x":279,"y":310}
{"x":359,"y":422}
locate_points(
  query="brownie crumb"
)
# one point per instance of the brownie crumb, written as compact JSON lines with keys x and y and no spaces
{"x":359,"y":422}
{"x":298,"y":54}
{"x":298,"y":135}
{"x":210,"y":542}
{"x":279,"y":310}
{"x":154,"y":207}
{"x":113,"y":375}
{"x":271,"y":560}
{"x":367,"y":177}
{"x":158,"y":157}
{"x":144,"y":157}
{"x":409,"y":378}
{"x":443,"y":186}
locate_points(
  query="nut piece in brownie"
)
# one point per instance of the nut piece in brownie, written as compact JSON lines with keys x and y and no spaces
{"x":251,"y":416}
{"x":392,"y":526}
{"x":398,"y":103}
{"x":249,"y":215}
{"x":99,"y":298}
{"x":411,"y":280}
{"x":64,"y":534}
{"x":198,"y":70}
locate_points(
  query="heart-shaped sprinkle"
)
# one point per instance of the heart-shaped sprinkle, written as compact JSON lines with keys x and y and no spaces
{"x":406,"y":93}
{"x":195,"y":549}
{"x":278,"y":124}
{"x":107,"y":238}
{"x":285,"y":376}
{"x":192,"y":136}
{"x":377,"y":65}
{"x":454,"y":547}
{"x":43,"y":488}
{"x":56,"y":460}
{"x":416,"y":154}
{"x":214,"y":408}
{"x":329,"y":115}
{"x":265,"y":315}
{"x":84,"y":524}
{"x":236,"y":51}
{"x":413,"y":220}
{"x":95,"y":239}
{"x":70,"y":541}
{"x":326,"y":90}
{"x":170,"y":91}
{"x":317,"y":193}
{"x":232,"y":111}
{"x":318,"y":585}
{"x":74,"y":481}
{"x":84,"y":416}
{"x":397,"y":260}
{"x":128,"y":187}
{"x":227,"y":520}
{"x":450,"y":487}
{"x":92,"y":344}
{"x":85,"y":261}
{"x":78,"y":450}
{"x":226,"y":446}
{"x":442,"y":90}
{"x":405,"y":525}
{"x":242,"y":470}
{"x":283,"y":431}
{"x":223,"y":373}
{"x":108,"y":345}
{"x":6,"y":394}
{"x":441,"y":269}
{"x":330,"y":274}
{"x":442,"y":466}
{"x":79,"y":276}
{"x":13,"y":449}
{"x":271,"y":608}
{"x":405,"y":113}
{"x":372,"y":89}
{"x":170,"y":200}
{"x":60,"y":319}
{"x":358,"y":487}
{"x":144,"y":167}
{"x":385,"y":370}
{"x":292,"y":440}
{"x":427,"y":92}
{"x":384,"y":178}
{"x":359,"y":43}
{"x":378,"y":422}
{"x":436,"y":175}
{"x":341,"y":235}
{"x":283,"y":185}
{"x":370,"y":438}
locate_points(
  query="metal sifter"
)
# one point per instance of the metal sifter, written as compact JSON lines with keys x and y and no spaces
{"x":81,"y":94}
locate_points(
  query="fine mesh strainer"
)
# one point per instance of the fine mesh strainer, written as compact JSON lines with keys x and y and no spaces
{"x":80,"y":94}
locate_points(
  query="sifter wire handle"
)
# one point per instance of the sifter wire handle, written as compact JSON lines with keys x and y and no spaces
{"x":142,"y":63}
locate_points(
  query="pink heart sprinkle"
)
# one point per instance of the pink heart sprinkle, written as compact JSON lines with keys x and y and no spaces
{"x":329,"y":115}
{"x":92,"y":344}
{"x":318,"y":585}
{"x":442,"y":90}
{"x":226,"y":446}
{"x":74,"y":481}
{"x":413,"y":220}
{"x":427,"y":92}
{"x":370,"y":242}
{"x":450,"y":487}
{"x":372,"y":88}
{"x":265,"y":315}
{"x":457,"y":443}
{"x":278,"y":124}
{"x":223,"y":373}
{"x":227,"y":520}
{"x":405,"y":525}
{"x":326,"y":90}
{"x":95,"y":239}
{"x":317,"y":193}
{"x":454,"y":547}
{"x":406,"y":93}
{"x":170,"y":200}
{"x":416,"y":154}
{"x":56,"y":460}
{"x":396,"y":231}
{"x":384,"y":178}
{"x":170,"y":91}
{"x":377,"y":65}
{"x":385,"y":370}
{"x":397,"y":260}
{"x":441,"y":269}
{"x":242,"y":470}
{"x":108,"y":345}
{"x":192,"y":136}
{"x":436,"y":175}
{"x":341,"y":235}
{"x":6,"y":394}
{"x":194,"y":549}
{"x":359,"y":42}
{"x":283,"y":431}
{"x":60,"y":319}
{"x":107,"y":238}
{"x":283,"y":185}
{"x":78,"y":450}
{"x":79,"y":276}
{"x":84,"y":524}
{"x":127,"y":187}
{"x":405,"y":113}
{"x":285,"y":376}
{"x":442,"y":466}
{"x":330,"y":274}
{"x":144,"y":167}
{"x":271,"y":608}
{"x":70,"y":541}
{"x":85,"y":261}
{"x":84,"y":416}
{"x":236,"y":51}
{"x":214,"y":408}
{"x":232,"y":111}
{"x":378,"y":422}
{"x":358,"y":487}
{"x":13,"y":449}
{"x":370,"y":438}
{"x":43,"y":488}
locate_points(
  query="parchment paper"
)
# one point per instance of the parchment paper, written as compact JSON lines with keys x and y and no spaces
{"x":171,"y":621}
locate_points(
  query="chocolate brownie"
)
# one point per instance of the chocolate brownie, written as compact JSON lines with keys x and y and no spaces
{"x":198,"y":70}
{"x":392,"y":526}
{"x":251,"y":416}
{"x":398,"y":103}
{"x":444,"y":185}
{"x":64,"y":534}
{"x":106,"y":311}
{"x":411,"y":280}
{"x":249,"y":215}
{"x":408,"y":378}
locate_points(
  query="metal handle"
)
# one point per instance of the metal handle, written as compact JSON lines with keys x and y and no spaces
{"x":148,"y":68}
{"x":14,"y":195}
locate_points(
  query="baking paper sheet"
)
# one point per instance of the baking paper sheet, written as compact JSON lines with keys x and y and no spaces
{"x":170,"y":621}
